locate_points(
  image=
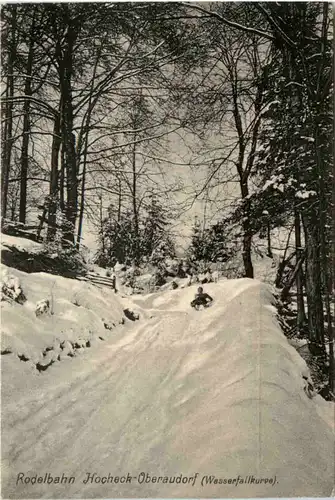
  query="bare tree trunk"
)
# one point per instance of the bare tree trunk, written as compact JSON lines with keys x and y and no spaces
{"x":62,"y":182}
{"x":65,"y":65}
{"x":301,"y":317}
{"x":330,"y":290}
{"x":327,"y":281}
{"x":247,"y":235}
{"x":313,"y":283}
{"x":53,"y":192}
{"x":26,"y":127}
{"x":243,"y":167}
{"x":134,"y":201}
{"x":288,"y":286}
{"x":268,"y":232}
{"x":101,"y":226}
{"x":14,"y":201}
{"x":82,"y":204}
{"x":86,"y":132}
{"x":284,"y":261}
{"x":8,"y":114}
{"x":71,"y":174}
{"x":82,"y":193}
{"x":119,"y":206}
{"x":330,"y":333}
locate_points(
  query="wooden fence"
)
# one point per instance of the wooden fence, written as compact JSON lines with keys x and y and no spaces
{"x":101,"y":281}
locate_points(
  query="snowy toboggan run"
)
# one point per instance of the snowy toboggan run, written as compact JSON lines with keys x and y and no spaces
{"x":211,"y":396}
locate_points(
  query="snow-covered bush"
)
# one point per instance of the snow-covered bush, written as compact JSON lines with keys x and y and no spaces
{"x":42,"y":307}
{"x":119,"y":267}
{"x":64,"y":259}
{"x":50,"y":257}
{"x":132,"y":315}
{"x":176,"y":268}
{"x":11,"y":288}
{"x":130,"y":275}
{"x":172,"y":266}
{"x":159,"y":278}
{"x":174,"y":285}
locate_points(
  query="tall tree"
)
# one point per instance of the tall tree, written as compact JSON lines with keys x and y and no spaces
{"x":28,"y":92}
{"x":10,"y":33}
{"x":228,"y":100}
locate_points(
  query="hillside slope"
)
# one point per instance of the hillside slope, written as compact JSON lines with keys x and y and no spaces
{"x":218,"y":392}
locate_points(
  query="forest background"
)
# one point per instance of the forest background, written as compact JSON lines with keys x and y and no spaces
{"x":138,"y":120}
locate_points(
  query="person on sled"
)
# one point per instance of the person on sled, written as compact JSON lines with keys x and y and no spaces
{"x":201,"y":299}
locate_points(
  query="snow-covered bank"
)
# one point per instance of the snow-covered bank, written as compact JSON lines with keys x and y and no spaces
{"x":77,"y":314}
{"x":217,"y":392}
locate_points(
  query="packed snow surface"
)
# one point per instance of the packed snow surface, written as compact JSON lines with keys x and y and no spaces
{"x":178,"y":395}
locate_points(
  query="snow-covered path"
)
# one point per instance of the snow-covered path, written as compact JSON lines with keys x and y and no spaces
{"x":218,"y":393}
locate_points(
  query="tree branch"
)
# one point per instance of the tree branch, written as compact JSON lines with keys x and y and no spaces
{"x":232,"y":24}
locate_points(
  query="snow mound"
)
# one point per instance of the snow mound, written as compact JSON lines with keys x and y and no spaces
{"x":56,"y":310}
{"x":21,"y":244}
{"x":11,"y":288}
{"x":215,"y":396}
